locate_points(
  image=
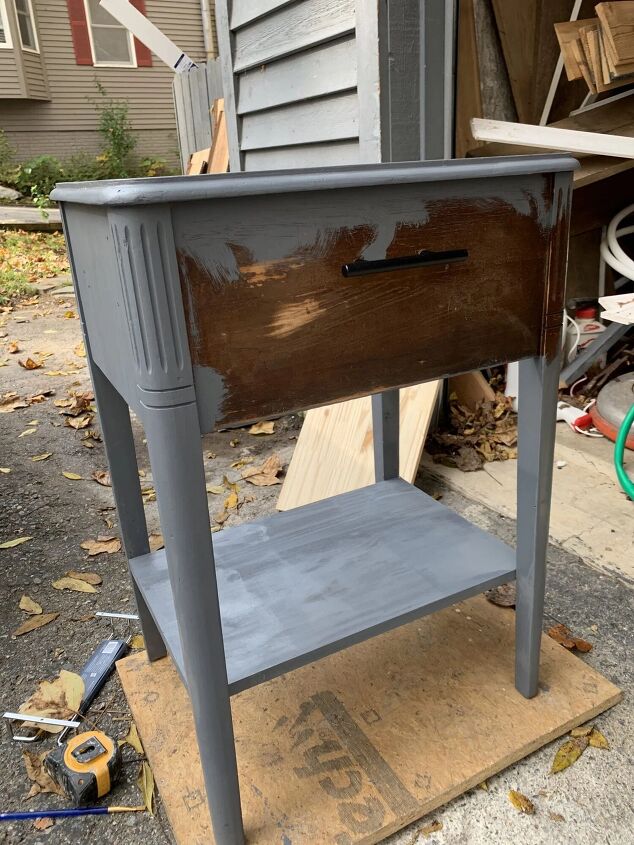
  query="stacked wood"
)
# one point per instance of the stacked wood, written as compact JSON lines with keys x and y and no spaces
{"x":600,"y":50}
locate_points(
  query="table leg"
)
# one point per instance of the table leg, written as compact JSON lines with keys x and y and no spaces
{"x":114,"y":418}
{"x":173,"y":436}
{"x":385,"y":428}
{"x":538,"y":385}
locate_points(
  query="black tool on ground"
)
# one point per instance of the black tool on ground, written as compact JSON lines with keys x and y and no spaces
{"x":96,"y":672}
{"x":86,"y":767}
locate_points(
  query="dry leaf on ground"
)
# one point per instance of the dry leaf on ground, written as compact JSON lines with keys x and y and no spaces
{"x":30,"y":364}
{"x":215,"y":489}
{"x":5,"y":470}
{"x":521,"y":802}
{"x":231,"y":502}
{"x":503,"y":596}
{"x":148,"y":494}
{"x":71,"y":476}
{"x":88,"y":577}
{"x":80,"y":421}
{"x":582,"y":730}
{"x":102,"y":476}
{"x":133,"y":739}
{"x":10,"y":544}
{"x":568,"y":753}
{"x":33,"y":622}
{"x":43,"y":824}
{"x":74,"y":584}
{"x":80,"y":350}
{"x":137,"y":642}
{"x":562,"y":635}
{"x":146,"y":785}
{"x":12,"y":347}
{"x":57,"y":699}
{"x":30,"y":606}
{"x":43,"y":457}
{"x":264,"y":427}
{"x":102,"y":545}
{"x":597,"y":740}
{"x":41,"y":780}
{"x":434,"y":827}
{"x":265,"y":474}
{"x":156,"y":541}
{"x":27,"y":431}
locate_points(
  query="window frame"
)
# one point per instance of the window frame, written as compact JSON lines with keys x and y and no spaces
{"x":95,"y":62}
{"x":4,"y":17}
{"x":31,"y":15}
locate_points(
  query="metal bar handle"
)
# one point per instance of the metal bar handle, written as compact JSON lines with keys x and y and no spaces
{"x":424,"y":258}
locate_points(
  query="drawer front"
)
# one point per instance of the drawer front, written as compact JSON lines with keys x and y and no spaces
{"x":298,"y":300}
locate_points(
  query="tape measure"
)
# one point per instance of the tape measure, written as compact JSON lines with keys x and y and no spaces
{"x":86,"y":766}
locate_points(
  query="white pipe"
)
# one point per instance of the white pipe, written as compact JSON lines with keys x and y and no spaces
{"x":208,"y":34}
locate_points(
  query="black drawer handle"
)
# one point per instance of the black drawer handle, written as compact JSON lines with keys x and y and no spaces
{"x":424,"y":258}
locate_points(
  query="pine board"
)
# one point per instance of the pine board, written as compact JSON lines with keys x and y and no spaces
{"x":334,"y":451}
{"x":354,"y":747}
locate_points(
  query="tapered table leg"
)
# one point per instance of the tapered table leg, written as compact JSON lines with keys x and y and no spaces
{"x":538,"y":385}
{"x":173,"y":436}
{"x":385,"y":428}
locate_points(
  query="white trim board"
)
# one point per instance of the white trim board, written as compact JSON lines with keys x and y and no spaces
{"x":552,"y":138}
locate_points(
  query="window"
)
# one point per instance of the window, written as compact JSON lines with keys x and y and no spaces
{"x":26,"y":25}
{"x":5,"y":32}
{"x":111,"y":43}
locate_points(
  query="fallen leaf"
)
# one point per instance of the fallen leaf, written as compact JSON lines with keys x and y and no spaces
{"x":264,"y":427}
{"x":72,"y":476}
{"x":215,"y":489}
{"x":34,"y":622}
{"x":57,"y":699}
{"x":88,"y":577}
{"x":102,"y":476}
{"x":137,"y":641}
{"x":27,"y":431}
{"x":133,"y":739}
{"x":434,"y":827}
{"x":221,"y":517}
{"x":266,"y":474}
{"x":30,"y":606}
{"x":80,"y":349}
{"x":102,"y":545}
{"x":149,"y":494}
{"x":75,"y":584}
{"x":582,"y":730}
{"x":30,"y":364}
{"x":562,"y":635}
{"x":156,"y":541}
{"x":234,"y":443}
{"x":503,"y":596}
{"x":231,"y":502}
{"x":146,"y":785}
{"x":70,"y":315}
{"x":43,"y":457}
{"x":42,"y":781}
{"x":521,"y":802}
{"x":568,"y":753}
{"x":243,"y":462}
{"x":5,"y":470}
{"x":4,"y":362}
{"x":484,"y":785}
{"x":80,"y":421}
{"x":43,"y":824}
{"x":597,"y":740}
{"x":10,"y":544}
{"x":556,"y":817}
{"x":13,"y":347}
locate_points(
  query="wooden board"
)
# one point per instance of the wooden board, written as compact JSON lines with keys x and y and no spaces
{"x":219,"y":152}
{"x":198,"y":162}
{"x":551,"y":138}
{"x":334,"y":451}
{"x":471,"y":388}
{"x":617,"y":21}
{"x":567,"y":33}
{"x":354,"y":747}
{"x":468,"y":91}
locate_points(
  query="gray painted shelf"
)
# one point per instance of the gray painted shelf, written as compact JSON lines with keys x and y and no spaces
{"x":299,"y":585}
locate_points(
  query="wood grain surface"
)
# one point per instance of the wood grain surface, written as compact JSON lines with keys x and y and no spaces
{"x":275,"y":323}
{"x":352,"y":748}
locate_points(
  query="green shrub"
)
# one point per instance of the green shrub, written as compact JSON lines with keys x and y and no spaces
{"x":6,"y":158}
{"x":154,"y":167}
{"x":116,"y":130}
{"x":38,"y":176}
{"x":82,"y":167}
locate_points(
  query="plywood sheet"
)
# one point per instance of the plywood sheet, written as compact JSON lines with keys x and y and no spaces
{"x":356,"y":746}
{"x":334,"y":452}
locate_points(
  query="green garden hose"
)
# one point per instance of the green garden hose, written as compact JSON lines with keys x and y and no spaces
{"x":624,"y":480}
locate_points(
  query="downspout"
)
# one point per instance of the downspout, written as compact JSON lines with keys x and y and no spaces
{"x":208,"y":34}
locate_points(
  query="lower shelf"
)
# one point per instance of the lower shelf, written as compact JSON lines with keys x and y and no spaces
{"x":307,"y":582}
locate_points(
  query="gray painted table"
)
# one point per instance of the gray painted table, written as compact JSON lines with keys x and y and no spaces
{"x":225,"y":299}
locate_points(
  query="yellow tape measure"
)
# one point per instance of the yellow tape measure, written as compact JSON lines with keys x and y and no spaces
{"x":85,"y":767}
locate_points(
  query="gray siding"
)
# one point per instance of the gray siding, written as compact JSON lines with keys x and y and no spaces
{"x":10,"y":79}
{"x":34,"y":78}
{"x":291,"y":76}
{"x":69,"y":121}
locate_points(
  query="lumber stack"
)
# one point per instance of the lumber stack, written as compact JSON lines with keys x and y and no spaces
{"x":600,"y":50}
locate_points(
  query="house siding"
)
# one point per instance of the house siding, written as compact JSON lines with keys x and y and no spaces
{"x":34,"y":78}
{"x":68,"y":123}
{"x":10,"y":81}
